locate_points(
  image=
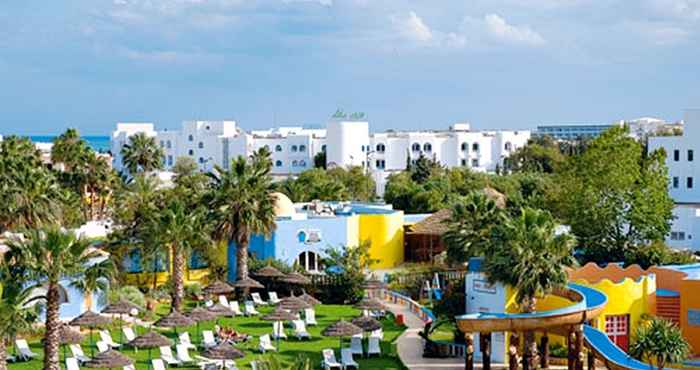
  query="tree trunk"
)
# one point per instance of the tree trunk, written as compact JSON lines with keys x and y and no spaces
{"x":178,"y":279}
{"x":660,"y":362}
{"x":3,"y":354}
{"x":530,"y":347}
{"x":51,"y":344}
{"x":242,"y":259}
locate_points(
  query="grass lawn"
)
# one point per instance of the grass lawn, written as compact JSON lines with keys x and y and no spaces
{"x":290,"y":349}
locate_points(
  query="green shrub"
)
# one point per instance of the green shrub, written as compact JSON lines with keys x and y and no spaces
{"x":558,"y":350}
{"x":193,"y":290}
{"x":127,"y":293}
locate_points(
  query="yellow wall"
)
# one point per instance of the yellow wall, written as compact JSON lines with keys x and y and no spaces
{"x":385,"y":233}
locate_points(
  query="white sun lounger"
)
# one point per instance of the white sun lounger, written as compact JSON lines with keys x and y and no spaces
{"x":329,"y":361}
{"x":106,"y":337}
{"x":356,"y":345}
{"x":208,"y":340}
{"x":78,"y":353}
{"x":102,"y":346}
{"x":72,"y":363}
{"x":346,"y":359}
{"x":129,"y":334}
{"x":266,"y":344}
{"x":310,"y":317}
{"x":379,"y":333}
{"x":273,"y":298}
{"x":250,"y":309}
{"x":208,"y":303}
{"x":184,"y":339}
{"x":257,"y":300}
{"x":166,"y":353}
{"x":278,"y":330}
{"x":224,"y":301}
{"x":373,"y":348}
{"x":300,"y":330}
{"x":236,"y":308}
{"x":25,"y":353}
{"x":183,"y":354}
{"x":158,"y":364}
{"x":129,"y":367}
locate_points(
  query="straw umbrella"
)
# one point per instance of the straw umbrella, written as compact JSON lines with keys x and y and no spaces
{"x":223,"y":352}
{"x":269,"y":272}
{"x":370,"y":304}
{"x":366,"y":323}
{"x":308,"y":298}
{"x":294,"y":304}
{"x":295,"y":278}
{"x":221,"y":311}
{"x":202,"y":314}
{"x":120,"y":308}
{"x":150,"y":340}
{"x":109,"y":360}
{"x":341,"y":329}
{"x":218,"y":287}
{"x":174,"y":320}
{"x":90,"y":320}
{"x":247,"y":284}
{"x":280,"y":314}
{"x":66,"y":335}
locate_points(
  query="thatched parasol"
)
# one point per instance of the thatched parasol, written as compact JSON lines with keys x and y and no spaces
{"x":341,"y":329}
{"x":247,"y":283}
{"x":150,"y":340}
{"x":218,"y":287}
{"x":121,"y":307}
{"x":366,"y":323}
{"x":308,"y":298}
{"x":295,"y":278}
{"x":202,"y":314}
{"x":90,"y":320}
{"x":269,"y":272}
{"x":174,"y":320}
{"x":371,"y":304}
{"x":294,"y":304}
{"x":221,"y":310}
{"x":66,"y":335}
{"x":108,"y":360}
{"x":223,"y":352}
{"x":280,"y":314}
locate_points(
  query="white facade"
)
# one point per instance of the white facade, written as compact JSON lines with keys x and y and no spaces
{"x":346,"y":141}
{"x":684,"y":174}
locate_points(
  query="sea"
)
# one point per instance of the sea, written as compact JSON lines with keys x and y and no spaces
{"x":98,"y":143}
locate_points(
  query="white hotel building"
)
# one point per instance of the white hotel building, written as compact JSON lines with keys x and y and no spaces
{"x":346,"y":141}
{"x":684,"y":176}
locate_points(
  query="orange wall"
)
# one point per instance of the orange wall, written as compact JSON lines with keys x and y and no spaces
{"x":690,"y":299}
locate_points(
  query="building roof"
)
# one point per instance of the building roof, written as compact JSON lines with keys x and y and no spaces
{"x":283,"y":205}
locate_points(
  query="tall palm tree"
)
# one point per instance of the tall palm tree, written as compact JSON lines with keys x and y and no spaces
{"x":530,"y":256}
{"x":15,"y":314}
{"x":142,"y":154}
{"x":49,"y":254}
{"x":470,"y":225}
{"x":69,"y":149}
{"x":242,"y":204}
{"x":96,"y":279}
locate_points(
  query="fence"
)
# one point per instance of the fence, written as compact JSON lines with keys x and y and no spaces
{"x":444,"y":276}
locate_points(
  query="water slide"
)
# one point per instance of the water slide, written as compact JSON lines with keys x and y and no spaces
{"x":588,"y":304}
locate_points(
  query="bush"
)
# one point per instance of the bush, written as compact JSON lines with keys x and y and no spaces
{"x":558,"y":350}
{"x":657,"y":253}
{"x":193,"y":290}
{"x":127,"y":293}
{"x":454,"y":302}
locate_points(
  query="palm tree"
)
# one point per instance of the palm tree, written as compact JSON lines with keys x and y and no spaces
{"x":661,"y":341}
{"x":96,"y":278}
{"x":69,"y":149}
{"x":142,"y":154}
{"x":49,"y":254}
{"x":16,"y":316}
{"x":531,"y":257}
{"x":242,"y":204}
{"x":470,"y":226}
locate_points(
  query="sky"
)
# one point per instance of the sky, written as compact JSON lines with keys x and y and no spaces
{"x":407,"y":64}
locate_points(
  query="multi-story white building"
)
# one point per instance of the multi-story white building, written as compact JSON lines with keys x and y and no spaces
{"x":345,"y":140}
{"x":684,"y":177}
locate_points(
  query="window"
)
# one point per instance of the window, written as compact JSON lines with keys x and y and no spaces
{"x":475,"y":162}
{"x":323,"y":147}
{"x":197,"y":261}
{"x":266,"y":147}
{"x":689,"y":183}
{"x":278,"y":164}
{"x":464,"y":162}
{"x":678,"y":235}
{"x":309,"y":261}
{"x":465,"y":147}
{"x":201,"y":145}
{"x":690,"y":155}
{"x":381,"y":148}
{"x":475,"y":147}
{"x":208,"y":127}
{"x":415,"y":147}
{"x":302,"y":148}
{"x":676,"y":155}
{"x":278,"y":148}
{"x":294,"y":148}
{"x":201,"y":160}
{"x":162,"y":144}
{"x":675,"y":182}
{"x":190,"y":152}
{"x":169,"y":144}
{"x":301,"y":236}
{"x":132,"y":261}
{"x":170,"y":160}
{"x":302,"y":163}
{"x":363,"y":148}
{"x":508,"y":146}
{"x":295,"y":163}
{"x":381,"y":164}
{"x":427,"y":147}
{"x":190,"y":138}
{"x":617,"y":329}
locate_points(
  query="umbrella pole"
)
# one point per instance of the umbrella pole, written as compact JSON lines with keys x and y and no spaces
{"x":92,"y":345}
{"x":149,"y":358}
{"x":121,"y":329}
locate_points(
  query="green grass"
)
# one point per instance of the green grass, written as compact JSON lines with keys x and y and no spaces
{"x":290,"y":349}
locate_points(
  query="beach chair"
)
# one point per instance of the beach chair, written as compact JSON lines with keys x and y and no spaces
{"x":102,"y":346}
{"x":236,"y":308}
{"x":257,"y":300}
{"x":374,"y":348}
{"x":379,"y":333}
{"x":273,"y":298}
{"x":310,"y":317}
{"x":266,"y":344}
{"x":129,"y":334}
{"x":300,"y":330}
{"x":184,"y":339}
{"x":356,"y":345}
{"x":205,"y":363}
{"x":208,"y":340}
{"x":72,"y":363}
{"x":78,"y":353}
{"x":166,"y":353}
{"x":158,"y":364}
{"x":329,"y":361}
{"x":129,"y":367}
{"x":25,"y":353}
{"x":183,"y":354}
{"x":249,"y":309}
{"x":224,"y":301}
{"x":107,"y":338}
{"x":208,"y":303}
{"x":346,"y":359}
{"x":278,"y":330}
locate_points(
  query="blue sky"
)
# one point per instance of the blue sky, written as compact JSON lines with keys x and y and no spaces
{"x":407,"y":64}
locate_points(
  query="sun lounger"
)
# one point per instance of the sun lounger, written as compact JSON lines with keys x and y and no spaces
{"x":273,"y":299}
{"x":278,"y":330}
{"x":158,"y":364}
{"x":208,"y":303}
{"x":106,"y":337}
{"x":102,"y":346}
{"x":257,"y":300}
{"x":329,"y":361}
{"x":25,"y":353}
{"x":236,"y":308}
{"x":300,"y":330}
{"x":250,"y":310}
{"x":72,"y":363}
{"x":129,"y":367}
{"x":224,"y":301}
{"x":346,"y":359}
{"x":310,"y":317}
{"x":184,"y":339}
{"x":166,"y":353}
{"x":208,"y":339}
{"x":266,"y":344}
{"x":183,"y":354}
{"x":373,"y":348}
{"x":129,"y":334}
{"x":356,"y":345}
{"x":78,"y":353}
{"x":379,"y":333}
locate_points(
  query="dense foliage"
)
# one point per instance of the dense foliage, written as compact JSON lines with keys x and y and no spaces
{"x":333,"y":184}
{"x":346,"y":266}
{"x":659,"y":341}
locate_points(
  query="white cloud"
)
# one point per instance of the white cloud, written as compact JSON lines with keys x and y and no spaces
{"x":320,"y":2}
{"x":498,"y":28}
{"x":412,"y":27}
{"x":169,"y":57}
{"x":681,"y":9}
